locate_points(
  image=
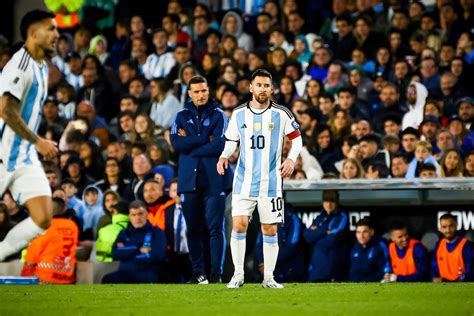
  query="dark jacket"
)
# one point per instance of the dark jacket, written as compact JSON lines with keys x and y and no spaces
{"x":328,"y":251}
{"x":196,"y":151}
{"x":370,"y":263}
{"x":131,"y":260}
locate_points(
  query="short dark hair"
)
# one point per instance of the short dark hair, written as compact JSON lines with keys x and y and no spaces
{"x":365,"y":222}
{"x":398,"y":225}
{"x":261,"y":73}
{"x":326,"y":95}
{"x":427,"y":167}
{"x":346,"y":89}
{"x":59,"y":206}
{"x":31,"y":18}
{"x":137,"y":204}
{"x":381,"y":168}
{"x":158,"y":30}
{"x":448,"y":216}
{"x":129,"y":96}
{"x":331,"y":196}
{"x":403,"y":156}
{"x":173,"y":17}
{"x":197,"y":79}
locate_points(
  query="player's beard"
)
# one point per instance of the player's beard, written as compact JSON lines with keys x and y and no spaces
{"x":262,"y":99}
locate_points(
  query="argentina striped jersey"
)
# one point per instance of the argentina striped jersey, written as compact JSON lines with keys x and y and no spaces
{"x":261,"y":136}
{"x":27,"y":81}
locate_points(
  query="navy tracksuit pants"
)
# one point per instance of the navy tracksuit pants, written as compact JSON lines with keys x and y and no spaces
{"x":205,"y":211}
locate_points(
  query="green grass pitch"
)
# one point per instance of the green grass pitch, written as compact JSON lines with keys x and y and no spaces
{"x":295,"y":299}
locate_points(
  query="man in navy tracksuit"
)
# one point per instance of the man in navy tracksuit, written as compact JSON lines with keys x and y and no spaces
{"x":291,"y":259}
{"x":326,"y":237}
{"x":198,"y":136}
{"x":140,"y":248}
{"x":369,"y":257}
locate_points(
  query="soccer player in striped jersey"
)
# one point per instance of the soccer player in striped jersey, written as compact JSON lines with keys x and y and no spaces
{"x":259,"y":127}
{"x":23,"y":89}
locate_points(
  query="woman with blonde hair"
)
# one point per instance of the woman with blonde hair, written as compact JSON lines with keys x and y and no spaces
{"x":352,"y":169}
{"x":452,"y":164}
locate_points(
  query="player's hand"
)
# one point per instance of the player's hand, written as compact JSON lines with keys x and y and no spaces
{"x":287,"y":168}
{"x":222,"y":165}
{"x":47,"y":148}
{"x":182,"y":132}
{"x":145,"y":249}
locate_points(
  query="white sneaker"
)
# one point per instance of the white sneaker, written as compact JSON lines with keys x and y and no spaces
{"x":236,"y":281}
{"x":271,"y":284}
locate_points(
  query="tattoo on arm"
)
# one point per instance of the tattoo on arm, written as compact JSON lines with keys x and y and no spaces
{"x":10,"y":111}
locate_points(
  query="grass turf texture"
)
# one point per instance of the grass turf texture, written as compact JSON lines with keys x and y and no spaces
{"x":295,"y":299}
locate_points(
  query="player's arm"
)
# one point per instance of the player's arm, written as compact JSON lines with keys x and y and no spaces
{"x":293,"y":133}
{"x":232,"y":138}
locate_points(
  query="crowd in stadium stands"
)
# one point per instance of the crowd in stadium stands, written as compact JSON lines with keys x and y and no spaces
{"x":380,"y":89}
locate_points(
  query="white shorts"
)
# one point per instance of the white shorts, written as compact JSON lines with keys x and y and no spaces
{"x":270,"y":209}
{"x":24,"y":183}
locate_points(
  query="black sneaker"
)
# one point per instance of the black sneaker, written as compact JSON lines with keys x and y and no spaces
{"x":215,"y":278}
{"x":199,"y":279}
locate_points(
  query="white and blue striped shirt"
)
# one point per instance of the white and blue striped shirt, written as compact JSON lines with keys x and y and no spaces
{"x":158,"y":66}
{"x":26,"y":80}
{"x":261,"y":136}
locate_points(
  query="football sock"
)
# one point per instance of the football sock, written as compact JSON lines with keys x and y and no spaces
{"x":237,"y":246}
{"x":270,"y":255}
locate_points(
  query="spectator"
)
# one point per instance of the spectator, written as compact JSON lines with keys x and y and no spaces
{"x":140,"y":248}
{"x":97,"y":124}
{"x":117,"y":151}
{"x":463,"y":138}
{"x":91,"y":212}
{"x":160,"y":62}
{"x":110,"y":198}
{"x":141,"y":169}
{"x":392,"y":124}
{"x":361,"y":84}
{"x":410,"y":137}
{"x":74,"y":75}
{"x":429,"y":74}
{"x":369,"y":256}
{"x":416,"y":96}
{"x":290,"y":262}
{"x":453,"y":258}
{"x":164,"y":104}
{"x":423,"y":155}
{"x":428,"y":170}
{"x":113,"y":178}
{"x":127,"y":71}
{"x":325,"y":150}
{"x":202,"y":188}
{"x":93,"y":163}
{"x":352,"y":169}
{"x":109,"y":233}
{"x":76,"y":172}
{"x":429,"y":128}
{"x":344,"y":42}
{"x":362,"y":129}
{"x":51,"y":257}
{"x":346,"y":100}
{"x":340,"y":123}
{"x":369,"y":152}
{"x":390,"y":103}
{"x":319,"y":65}
{"x":408,"y":256}
{"x":201,"y":27}
{"x":399,"y":165}
{"x":326,"y":239}
{"x":465,"y":110}
{"x":377,"y":170}
{"x":145,"y":130}
{"x":326,"y":105}
{"x":170,"y":23}
{"x":451,"y":164}
{"x":469,"y":165}
{"x":233,"y":24}
{"x":66,"y":101}
{"x":139,"y":55}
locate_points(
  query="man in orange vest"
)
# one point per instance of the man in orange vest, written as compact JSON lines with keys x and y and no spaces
{"x":453,"y":258}
{"x":156,"y":203}
{"x":408,"y":256}
{"x":51,"y":257}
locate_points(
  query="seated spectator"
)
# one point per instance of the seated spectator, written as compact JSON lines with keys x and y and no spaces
{"x":347,"y":144}
{"x":399,"y":165}
{"x":156,"y":203}
{"x":453,"y":257}
{"x":290,"y":262}
{"x":91,"y":155}
{"x":140,"y":248}
{"x":325,"y":153}
{"x":72,"y":201}
{"x":465,"y":107}
{"x":109,"y":200}
{"x":113,"y":178}
{"x":451,"y":164}
{"x":51,"y":257}
{"x":164,"y":104}
{"x":369,"y":256}
{"x":416,"y":96}
{"x":369,"y":152}
{"x":108,"y":234}
{"x":391,"y":143}
{"x":326,"y":239}
{"x":469,"y":165}
{"x":423,"y":155}
{"x":408,"y":256}
{"x":377,"y":170}
{"x":352,"y":169}
{"x":463,"y":138}
{"x":178,"y":264}
{"x":92,"y":211}
{"x":76,"y":172}
{"x":444,"y":142}
{"x":428,"y":170}
{"x":410,"y":137}
{"x":141,"y":169}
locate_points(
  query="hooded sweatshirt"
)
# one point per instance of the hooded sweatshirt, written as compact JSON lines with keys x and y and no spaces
{"x":92,"y":213}
{"x":243,"y":39}
{"x":414,"y":116}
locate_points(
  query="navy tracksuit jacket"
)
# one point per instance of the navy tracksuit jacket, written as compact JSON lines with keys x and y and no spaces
{"x":137,"y":267}
{"x":328,"y":251}
{"x":370,"y":263}
{"x":203,"y":190}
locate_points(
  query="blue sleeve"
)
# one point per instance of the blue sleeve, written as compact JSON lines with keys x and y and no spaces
{"x":468,"y":257}
{"x":214,"y":148}
{"x":126,"y":252}
{"x":312,"y":236}
{"x":288,"y":249}
{"x":184,"y":144}
{"x":387,"y":266}
{"x":381,"y":264}
{"x":434,"y":264}
{"x":420,"y":254}
{"x":158,"y":248}
{"x":342,"y":225}
{"x":259,"y":248}
{"x":338,"y":227}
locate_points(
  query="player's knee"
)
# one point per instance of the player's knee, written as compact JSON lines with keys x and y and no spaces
{"x":269,"y":230}
{"x":239,"y":227}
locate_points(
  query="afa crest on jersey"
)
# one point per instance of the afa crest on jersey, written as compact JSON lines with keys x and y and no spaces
{"x":257,"y":126}
{"x":271,"y":126}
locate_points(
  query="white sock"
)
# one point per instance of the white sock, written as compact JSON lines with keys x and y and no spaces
{"x":19,"y":237}
{"x":270,"y":255}
{"x":238,"y":246}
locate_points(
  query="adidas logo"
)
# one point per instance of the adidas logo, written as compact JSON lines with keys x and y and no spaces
{"x":279,"y":214}
{"x":243,"y":126}
{"x":190,"y":121}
